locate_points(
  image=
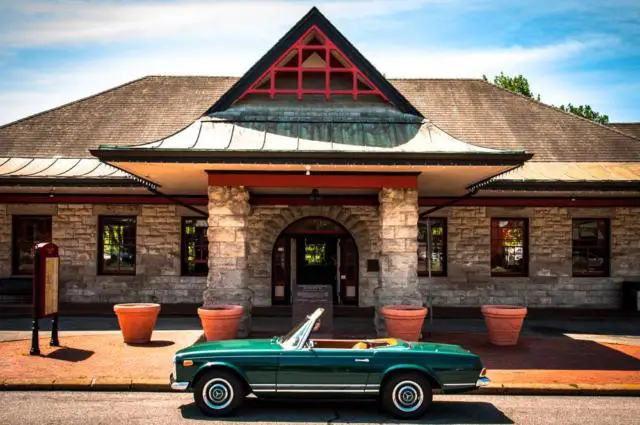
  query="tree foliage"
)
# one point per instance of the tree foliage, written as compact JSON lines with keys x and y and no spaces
{"x":585,"y":111}
{"x":519,"y":84}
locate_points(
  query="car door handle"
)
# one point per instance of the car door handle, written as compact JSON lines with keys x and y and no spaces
{"x":362,"y":360}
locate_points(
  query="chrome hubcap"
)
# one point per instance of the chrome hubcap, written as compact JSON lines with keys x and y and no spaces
{"x":217,"y":393}
{"x":407,"y":396}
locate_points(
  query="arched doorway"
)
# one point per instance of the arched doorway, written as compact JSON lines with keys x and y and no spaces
{"x":315,"y":251}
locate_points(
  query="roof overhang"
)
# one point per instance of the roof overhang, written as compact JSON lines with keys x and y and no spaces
{"x":434,"y":178}
{"x":179,"y":163}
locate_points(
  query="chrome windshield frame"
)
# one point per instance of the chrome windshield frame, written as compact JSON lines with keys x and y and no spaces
{"x":299,"y":340}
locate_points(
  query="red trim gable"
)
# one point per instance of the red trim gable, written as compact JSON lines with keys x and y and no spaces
{"x":313,"y":53}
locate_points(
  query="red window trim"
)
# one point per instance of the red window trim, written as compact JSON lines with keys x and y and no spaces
{"x":525,"y":248}
{"x":607,"y":245}
{"x":15,"y":268}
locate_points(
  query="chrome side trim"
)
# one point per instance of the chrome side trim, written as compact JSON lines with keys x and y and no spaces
{"x":179,"y":386}
{"x":459,"y":385}
{"x":309,"y":390}
{"x":323,"y":385}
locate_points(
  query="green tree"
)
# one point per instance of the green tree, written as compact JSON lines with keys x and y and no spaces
{"x":585,"y":111}
{"x":519,"y":84}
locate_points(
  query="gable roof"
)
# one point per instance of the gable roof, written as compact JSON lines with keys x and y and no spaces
{"x":474,"y":111}
{"x":630,"y":128}
{"x":139,"y":111}
{"x":313,"y":18}
{"x":487,"y":115}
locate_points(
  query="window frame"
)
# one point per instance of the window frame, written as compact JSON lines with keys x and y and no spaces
{"x":183,"y":249}
{"x":445,"y":233}
{"x":607,"y":246}
{"x":15,"y":266}
{"x":525,"y":247}
{"x":102,"y":221}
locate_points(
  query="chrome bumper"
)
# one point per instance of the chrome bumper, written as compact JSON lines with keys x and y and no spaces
{"x":483,"y":381}
{"x":178,"y":386}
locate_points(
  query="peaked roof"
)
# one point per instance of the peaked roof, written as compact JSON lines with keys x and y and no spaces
{"x":313,"y":18}
{"x":630,"y":128}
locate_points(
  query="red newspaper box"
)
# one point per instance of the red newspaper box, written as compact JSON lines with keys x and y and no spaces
{"x":45,"y":292}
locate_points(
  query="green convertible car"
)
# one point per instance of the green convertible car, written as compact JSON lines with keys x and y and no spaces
{"x":401,"y":374}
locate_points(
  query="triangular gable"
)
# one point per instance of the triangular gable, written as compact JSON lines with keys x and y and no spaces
{"x":314,"y":46}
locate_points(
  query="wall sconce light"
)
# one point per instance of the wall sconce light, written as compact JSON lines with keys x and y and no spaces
{"x":315,"y":195}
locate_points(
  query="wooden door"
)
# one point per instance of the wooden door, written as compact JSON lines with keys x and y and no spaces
{"x":348,"y":271}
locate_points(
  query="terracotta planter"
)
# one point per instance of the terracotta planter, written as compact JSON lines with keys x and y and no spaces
{"x":220,"y":321}
{"x":404,"y":321}
{"x":504,"y":323}
{"x":137,"y":321}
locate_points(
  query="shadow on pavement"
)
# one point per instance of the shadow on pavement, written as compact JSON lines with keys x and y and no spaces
{"x":544,"y":353}
{"x":352,"y":411}
{"x":152,"y":344}
{"x":70,"y":354}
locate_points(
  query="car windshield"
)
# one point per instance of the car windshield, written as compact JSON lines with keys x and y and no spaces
{"x":293,"y":338}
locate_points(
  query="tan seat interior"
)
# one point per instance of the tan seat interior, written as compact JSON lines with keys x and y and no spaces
{"x":354,"y":344}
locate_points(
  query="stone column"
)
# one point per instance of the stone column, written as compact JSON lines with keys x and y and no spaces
{"x":227,"y":233}
{"x":399,"y":251}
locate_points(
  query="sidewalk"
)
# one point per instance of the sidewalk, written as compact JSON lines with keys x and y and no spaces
{"x":542,"y":363}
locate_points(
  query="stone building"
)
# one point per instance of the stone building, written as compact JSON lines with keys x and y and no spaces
{"x":313,"y":168}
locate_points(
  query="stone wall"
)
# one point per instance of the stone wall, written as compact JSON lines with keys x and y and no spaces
{"x":550,"y":282}
{"x":469,"y":281}
{"x":75,"y":231}
{"x":266,"y":223}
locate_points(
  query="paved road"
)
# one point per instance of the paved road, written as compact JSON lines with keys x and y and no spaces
{"x":88,"y":408}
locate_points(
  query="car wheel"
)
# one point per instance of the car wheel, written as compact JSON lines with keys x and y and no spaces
{"x":218,"y":393}
{"x":407,"y":395}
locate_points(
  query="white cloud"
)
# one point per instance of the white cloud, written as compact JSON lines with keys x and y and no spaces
{"x":82,"y":22}
{"x":55,"y":86}
{"x":202,"y":39}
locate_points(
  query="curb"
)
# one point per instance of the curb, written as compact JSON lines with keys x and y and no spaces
{"x":161,"y":385}
{"x":562,"y":389}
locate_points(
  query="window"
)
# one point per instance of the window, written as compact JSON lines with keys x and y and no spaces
{"x":438,"y":247}
{"x":590,"y":247}
{"x":117,"y":245}
{"x":195,"y":247}
{"x":28,"y":231}
{"x":509,"y":247}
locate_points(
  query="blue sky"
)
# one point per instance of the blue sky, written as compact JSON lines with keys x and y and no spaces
{"x":53,"y":52}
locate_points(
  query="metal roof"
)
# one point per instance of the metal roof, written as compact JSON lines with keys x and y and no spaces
{"x":212,"y":134}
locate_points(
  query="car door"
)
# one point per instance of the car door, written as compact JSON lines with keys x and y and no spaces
{"x":323,"y":370}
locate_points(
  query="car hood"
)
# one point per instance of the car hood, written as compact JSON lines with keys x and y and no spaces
{"x":243,"y":345}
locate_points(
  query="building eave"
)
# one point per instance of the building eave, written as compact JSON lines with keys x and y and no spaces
{"x":110,"y":155}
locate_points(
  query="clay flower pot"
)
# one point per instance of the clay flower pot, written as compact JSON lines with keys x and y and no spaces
{"x":504,"y":323}
{"x":220,"y":321}
{"x":404,"y":321}
{"x":137,"y":321}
